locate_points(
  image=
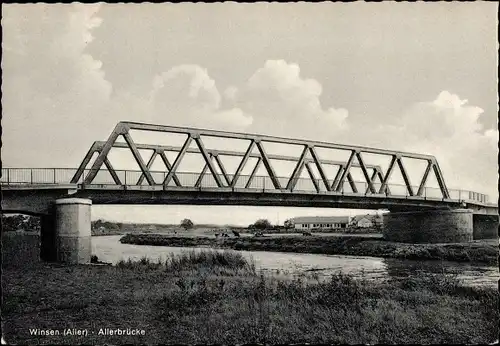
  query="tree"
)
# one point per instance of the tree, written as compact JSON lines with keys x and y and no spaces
{"x":187,"y":224}
{"x":288,"y":224}
{"x":262,"y":224}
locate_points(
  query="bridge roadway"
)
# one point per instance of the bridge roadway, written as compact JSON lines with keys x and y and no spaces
{"x":36,"y":197}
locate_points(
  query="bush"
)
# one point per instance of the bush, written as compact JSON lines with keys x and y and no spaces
{"x":210,"y":259}
{"x":187,"y":224}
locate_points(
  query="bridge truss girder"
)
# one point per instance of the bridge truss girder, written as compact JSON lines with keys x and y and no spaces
{"x":211,"y":158}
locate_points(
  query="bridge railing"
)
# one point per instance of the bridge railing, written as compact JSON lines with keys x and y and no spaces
{"x":58,"y":176}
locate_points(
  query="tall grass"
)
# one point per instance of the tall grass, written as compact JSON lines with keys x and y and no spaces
{"x":211,"y":261}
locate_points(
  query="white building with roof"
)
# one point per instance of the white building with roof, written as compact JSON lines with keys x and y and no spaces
{"x":318,"y":222}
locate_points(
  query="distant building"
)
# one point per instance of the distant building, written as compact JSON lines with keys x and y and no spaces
{"x":362,"y":221}
{"x":365,"y":221}
{"x":316,"y":222}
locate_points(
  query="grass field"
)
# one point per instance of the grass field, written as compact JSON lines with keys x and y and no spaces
{"x":210,"y":297}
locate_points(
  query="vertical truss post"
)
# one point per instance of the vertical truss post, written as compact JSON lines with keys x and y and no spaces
{"x":208,"y":161}
{"x":345,"y":171}
{"x":424,"y":178}
{"x":405,"y":176}
{"x":297,"y":170}
{"x":268,"y":166}
{"x":242,"y":164}
{"x":320,"y":168}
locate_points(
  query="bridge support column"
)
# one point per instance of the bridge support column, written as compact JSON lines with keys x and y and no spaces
{"x":72,"y":230}
{"x":48,"y":252}
{"x":431,"y":226}
{"x":485,"y":226}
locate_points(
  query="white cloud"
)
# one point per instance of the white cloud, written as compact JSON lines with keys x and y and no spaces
{"x":187,"y":95}
{"x":52,"y":90}
{"x":283,"y":103}
{"x":447,"y":128}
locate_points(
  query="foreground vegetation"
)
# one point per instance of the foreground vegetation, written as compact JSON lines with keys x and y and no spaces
{"x":346,"y":245}
{"x":218,"y":297}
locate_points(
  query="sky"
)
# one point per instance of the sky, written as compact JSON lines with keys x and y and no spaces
{"x":418,"y":77}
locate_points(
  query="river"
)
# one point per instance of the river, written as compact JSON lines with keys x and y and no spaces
{"x":109,"y":249}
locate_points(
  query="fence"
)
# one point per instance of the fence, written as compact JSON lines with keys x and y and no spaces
{"x":35,"y":176}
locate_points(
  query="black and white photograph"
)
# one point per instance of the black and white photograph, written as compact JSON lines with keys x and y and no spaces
{"x":250,"y":173}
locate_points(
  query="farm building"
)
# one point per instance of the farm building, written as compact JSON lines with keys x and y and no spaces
{"x":365,"y":221}
{"x":316,"y":222}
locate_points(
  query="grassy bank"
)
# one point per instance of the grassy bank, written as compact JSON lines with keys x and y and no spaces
{"x":207,"y":298}
{"x":464,"y":252}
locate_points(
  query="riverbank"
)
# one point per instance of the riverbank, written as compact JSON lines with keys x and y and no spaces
{"x":474,"y":252}
{"x":219,"y":299}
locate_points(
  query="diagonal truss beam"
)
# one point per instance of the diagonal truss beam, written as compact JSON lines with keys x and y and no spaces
{"x":268,"y":166}
{"x":365,"y":172}
{"x":352,"y":183}
{"x":208,"y":161}
{"x":112,"y":171}
{"x":345,"y":171}
{"x":406,"y":178}
{"x":297,"y":170}
{"x":336,"y":180}
{"x":320,"y":168}
{"x":254,"y":172}
{"x":138,"y":158}
{"x":242,"y":164}
{"x":169,"y":167}
{"x":440,"y":179}
{"x":313,"y":177}
{"x":421,"y":188}
{"x":148,"y":166}
{"x":388,"y":175}
{"x":200,"y":177}
{"x":177,"y":161}
{"x":95,"y":148}
{"x":222,"y":169}
{"x":96,"y":166}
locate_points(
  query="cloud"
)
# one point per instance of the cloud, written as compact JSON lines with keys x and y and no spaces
{"x":278,"y":98}
{"x":52,"y":90}
{"x":187,"y":95}
{"x":448,"y":128}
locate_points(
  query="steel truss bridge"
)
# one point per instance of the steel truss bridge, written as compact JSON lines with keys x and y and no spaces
{"x":96,"y":177}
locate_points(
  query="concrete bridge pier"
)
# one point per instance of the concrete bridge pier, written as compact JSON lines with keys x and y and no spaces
{"x":66,"y":232}
{"x":485,"y":226}
{"x":430,"y":226}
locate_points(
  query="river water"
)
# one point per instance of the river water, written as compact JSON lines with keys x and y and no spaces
{"x":109,"y":249}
